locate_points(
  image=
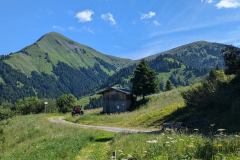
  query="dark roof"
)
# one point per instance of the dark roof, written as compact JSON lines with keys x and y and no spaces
{"x":125,"y":91}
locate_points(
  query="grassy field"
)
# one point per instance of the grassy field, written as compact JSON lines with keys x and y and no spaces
{"x":35,"y":138}
{"x":149,"y":115}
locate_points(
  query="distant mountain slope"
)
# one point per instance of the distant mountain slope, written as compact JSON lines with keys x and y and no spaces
{"x":200,"y":54}
{"x":182,"y":65}
{"x":54,"y":48}
{"x":55,"y":65}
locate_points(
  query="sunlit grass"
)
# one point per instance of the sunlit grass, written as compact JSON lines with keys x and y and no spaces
{"x":176,"y":146}
{"x":34,"y":137}
{"x":148,"y":115}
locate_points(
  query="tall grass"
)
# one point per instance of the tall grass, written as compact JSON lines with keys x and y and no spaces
{"x":149,"y":115}
{"x":176,"y":146}
{"x":33,"y":137}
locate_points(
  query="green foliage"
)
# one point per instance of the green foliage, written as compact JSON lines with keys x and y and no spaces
{"x":66,"y":102}
{"x":144,"y":81}
{"x":216,"y":100}
{"x":29,"y":105}
{"x":232,"y":60}
{"x":169,"y":85}
{"x":5,"y":113}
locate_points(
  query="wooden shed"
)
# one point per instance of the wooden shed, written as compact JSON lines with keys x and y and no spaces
{"x":116,"y":100}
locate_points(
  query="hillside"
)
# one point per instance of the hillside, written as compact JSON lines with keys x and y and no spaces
{"x":55,"y":65}
{"x":183,"y":65}
{"x":148,"y":115}
{"x":35,"y":137}
{"x":53,"y":48}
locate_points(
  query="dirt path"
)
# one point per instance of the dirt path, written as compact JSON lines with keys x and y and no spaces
{"x":60,"y":120}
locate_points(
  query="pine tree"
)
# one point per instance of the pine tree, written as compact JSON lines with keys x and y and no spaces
{"x":169,"y":85}
{"x":144,"y":81}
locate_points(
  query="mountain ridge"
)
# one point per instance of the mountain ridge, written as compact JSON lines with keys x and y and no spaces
{"x":55,"y":65}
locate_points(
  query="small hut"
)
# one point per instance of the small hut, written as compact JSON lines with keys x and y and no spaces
{"x":116,"y":100}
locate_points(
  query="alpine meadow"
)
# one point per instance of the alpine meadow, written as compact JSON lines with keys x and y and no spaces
{"x":120,"y":80}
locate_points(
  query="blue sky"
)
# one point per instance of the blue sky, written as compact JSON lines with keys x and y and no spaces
{"x":124,"y":28}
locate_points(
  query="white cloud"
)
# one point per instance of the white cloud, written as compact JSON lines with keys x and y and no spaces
{"x":108,"y":17}
{"x":156,"y":23}
{"x":148,"y":15}
{"x":207,"y":1}
{"x":228,"y":4}
{"x":85,"y":16}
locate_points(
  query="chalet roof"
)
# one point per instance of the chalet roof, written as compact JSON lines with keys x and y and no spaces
{"x":125,"y":91}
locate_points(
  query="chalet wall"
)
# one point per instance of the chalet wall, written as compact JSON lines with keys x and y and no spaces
{"x":116,"y":102}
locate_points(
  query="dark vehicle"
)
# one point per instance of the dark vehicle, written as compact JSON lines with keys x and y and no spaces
{"x":77,"y":110}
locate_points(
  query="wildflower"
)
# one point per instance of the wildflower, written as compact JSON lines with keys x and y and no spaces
{"x":170,"y":138}
{"x":181,"y":139}
{"x":167,"y":142}
{"x":219,"y":145}
{"x":212,"y":125}
{"x":191,"y":146}
{"x":152,"y":141}
{"x":174,"y":141}
{"x":221,"y":130}
{"x":196,"y":130}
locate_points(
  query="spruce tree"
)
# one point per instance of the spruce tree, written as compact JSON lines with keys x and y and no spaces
{"x":144,"y":81}
{"x":169,"y":85}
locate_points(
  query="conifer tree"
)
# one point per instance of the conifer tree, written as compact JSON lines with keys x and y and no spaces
{"x":169,"y":85}
{"x":144,"y":81}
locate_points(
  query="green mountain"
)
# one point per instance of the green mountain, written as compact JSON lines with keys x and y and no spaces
{"x":183,"y":65}
{"x":55,"y":65}
{"x":53,"y":48}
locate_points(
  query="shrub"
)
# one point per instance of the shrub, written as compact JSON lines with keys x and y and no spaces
{"x":66,"y":102}
{"x":29,"y":105}
{"x":5,"y":113}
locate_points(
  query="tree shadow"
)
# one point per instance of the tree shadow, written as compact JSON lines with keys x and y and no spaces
{"x":215,"y":104}
{"x":138,"y":103}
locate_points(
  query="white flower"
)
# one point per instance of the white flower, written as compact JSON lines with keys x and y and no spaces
{"x":152,"y":141}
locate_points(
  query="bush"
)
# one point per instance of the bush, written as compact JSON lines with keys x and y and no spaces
{"x":6,"y":111}
{"x":66,"y":102}
{"x":29,"y":105}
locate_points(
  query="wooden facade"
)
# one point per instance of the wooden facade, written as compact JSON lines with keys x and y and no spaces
{"x":116,"y":100}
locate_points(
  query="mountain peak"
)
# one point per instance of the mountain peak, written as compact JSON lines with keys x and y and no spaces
{"x":52,"y":35}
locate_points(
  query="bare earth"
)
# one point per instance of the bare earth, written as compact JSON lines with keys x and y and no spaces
{"x":60,"y":120}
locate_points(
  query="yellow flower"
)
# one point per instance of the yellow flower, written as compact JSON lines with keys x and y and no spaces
{"x":219,"y":145}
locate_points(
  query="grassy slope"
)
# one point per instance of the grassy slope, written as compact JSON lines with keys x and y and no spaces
{"x":159,"y":106}
{"x":59,"y":49}
{"x":33,"y":137}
